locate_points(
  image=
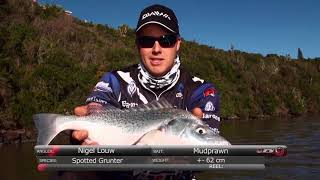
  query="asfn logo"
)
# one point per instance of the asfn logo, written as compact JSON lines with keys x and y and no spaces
{"x":280,"y":152}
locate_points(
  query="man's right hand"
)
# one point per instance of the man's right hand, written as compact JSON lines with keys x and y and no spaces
{"x":82,"y":135}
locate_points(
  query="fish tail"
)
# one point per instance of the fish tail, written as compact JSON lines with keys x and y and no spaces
{"x":46,"y":125}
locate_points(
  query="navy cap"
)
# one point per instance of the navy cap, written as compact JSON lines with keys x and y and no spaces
{"x":158,"y":14}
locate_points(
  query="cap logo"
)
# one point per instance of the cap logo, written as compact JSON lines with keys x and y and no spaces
{"x":155,"y":13}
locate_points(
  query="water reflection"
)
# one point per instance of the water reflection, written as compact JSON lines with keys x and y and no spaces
{"x":301,"y":135}
{"x":18,"y":162}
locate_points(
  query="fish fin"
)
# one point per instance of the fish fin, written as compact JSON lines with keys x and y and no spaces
{"x":46,"y":125}
{"x":93,"y":109}
{"x":154,"y":105}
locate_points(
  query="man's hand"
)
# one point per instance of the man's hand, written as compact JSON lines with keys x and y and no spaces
{"x":197,"y":112}
{"x":82,"y":135}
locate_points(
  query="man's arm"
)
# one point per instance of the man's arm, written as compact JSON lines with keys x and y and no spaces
{"x":106,"y":92}
{"x":205,"y":104}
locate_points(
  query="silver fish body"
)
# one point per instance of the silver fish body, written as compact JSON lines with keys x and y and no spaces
{"x":112,"y":126}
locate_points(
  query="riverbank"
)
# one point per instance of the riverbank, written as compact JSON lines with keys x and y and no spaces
{"x":11,"y":132}
{"x":50,"y":61}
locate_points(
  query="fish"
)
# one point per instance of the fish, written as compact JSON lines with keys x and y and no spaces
{"x":114,"y":126}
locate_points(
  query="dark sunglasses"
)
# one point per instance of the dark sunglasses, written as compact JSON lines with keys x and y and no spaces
{"x":165,"y":41}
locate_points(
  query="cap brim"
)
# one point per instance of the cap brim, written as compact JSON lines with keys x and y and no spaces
{"x":154,"y":22}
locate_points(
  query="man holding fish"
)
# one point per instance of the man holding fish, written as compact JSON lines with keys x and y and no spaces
{"x":147,"y":103}
{"x":158,"y":76}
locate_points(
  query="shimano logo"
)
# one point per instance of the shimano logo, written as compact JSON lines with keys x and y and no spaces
{"x":128,"y":105}
{"x":155,"y":13}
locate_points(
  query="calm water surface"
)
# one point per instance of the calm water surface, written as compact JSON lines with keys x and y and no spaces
{"x":301,"y":135}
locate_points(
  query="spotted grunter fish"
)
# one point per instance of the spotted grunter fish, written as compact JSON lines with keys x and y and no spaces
{"x":112,"y":126}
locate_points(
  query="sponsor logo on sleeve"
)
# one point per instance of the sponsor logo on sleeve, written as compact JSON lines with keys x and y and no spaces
{"x":195,"y":79}
{"x":209,"y":116}
{"x":209,"y":92}
{"x":209,"y":106}
{"x":215,"y":130}
{"x":102,"y":87}
{"x":97,"y":100}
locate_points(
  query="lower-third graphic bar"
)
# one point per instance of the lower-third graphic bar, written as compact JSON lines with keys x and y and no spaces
{"x":120,"y":167}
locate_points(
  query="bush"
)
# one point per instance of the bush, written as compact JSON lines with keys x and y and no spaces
{"x":51,"y":11}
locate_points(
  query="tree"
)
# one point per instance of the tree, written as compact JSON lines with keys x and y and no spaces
{"x":300,"y":54}
{"x":123,"y":30}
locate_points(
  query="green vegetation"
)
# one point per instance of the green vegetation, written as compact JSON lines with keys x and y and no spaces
{"x":49,"y":62}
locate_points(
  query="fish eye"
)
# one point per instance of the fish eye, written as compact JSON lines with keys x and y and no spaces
{"x":201,"y":130}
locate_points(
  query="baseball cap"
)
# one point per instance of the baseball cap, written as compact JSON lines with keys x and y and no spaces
{"x":158,"y":14}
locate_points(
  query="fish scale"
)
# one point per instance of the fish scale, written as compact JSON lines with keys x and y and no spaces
{"x":141,"y":118}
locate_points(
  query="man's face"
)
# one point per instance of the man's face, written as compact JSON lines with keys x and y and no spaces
{"x":158,"y":60}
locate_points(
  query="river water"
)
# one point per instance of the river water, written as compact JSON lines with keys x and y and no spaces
{"x":301,"y":135}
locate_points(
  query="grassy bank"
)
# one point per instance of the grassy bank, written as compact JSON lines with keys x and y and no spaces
{"x":49,"y":62}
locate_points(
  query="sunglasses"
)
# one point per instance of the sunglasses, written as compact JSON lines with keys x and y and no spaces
{"x":165,"y":41}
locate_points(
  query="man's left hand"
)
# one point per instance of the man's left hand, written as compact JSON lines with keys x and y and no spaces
{"x":197,"y":112}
